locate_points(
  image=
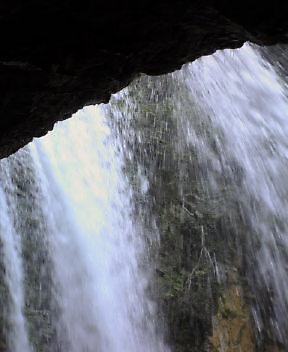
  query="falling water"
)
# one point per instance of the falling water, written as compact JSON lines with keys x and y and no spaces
{"x":94,"y":244}
{"x":230,"y":112}
{"x":10,"y":240}
{"x":113,"y":226}
{"x":244,"y":102}
{"x":82,"y":201}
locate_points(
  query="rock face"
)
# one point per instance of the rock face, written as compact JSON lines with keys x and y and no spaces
{"x":57,"y":56}
{"x":198,"y":262}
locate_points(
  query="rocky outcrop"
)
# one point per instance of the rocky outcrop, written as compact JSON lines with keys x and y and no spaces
{"x":57,"y":56}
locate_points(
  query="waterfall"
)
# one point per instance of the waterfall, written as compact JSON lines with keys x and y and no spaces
{"x":11,"y":252}
{"x":244,"y":106}
{"x":95,"y":248}
{"x":138,"y":225}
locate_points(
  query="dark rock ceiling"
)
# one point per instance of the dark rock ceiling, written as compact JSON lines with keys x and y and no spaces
{"x":58,"y":55}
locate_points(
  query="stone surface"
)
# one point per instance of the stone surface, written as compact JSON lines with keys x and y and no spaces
{"x":57,"y":56}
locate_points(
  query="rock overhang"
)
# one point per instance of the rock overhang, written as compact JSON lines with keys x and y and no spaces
{"x":58,"y":56}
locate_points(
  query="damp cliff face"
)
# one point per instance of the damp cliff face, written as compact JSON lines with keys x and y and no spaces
{"x":57,"y":56}
{"x":198,"y":280}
